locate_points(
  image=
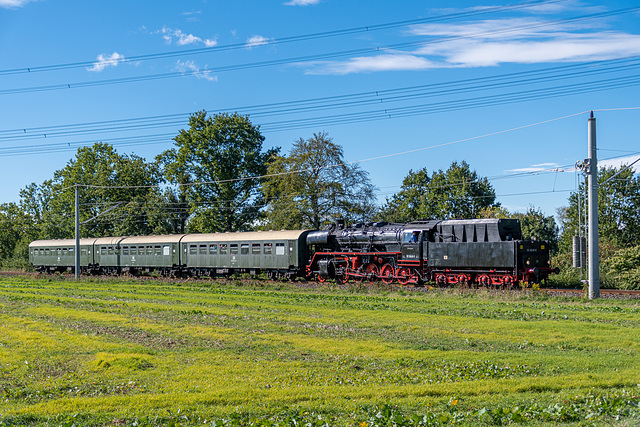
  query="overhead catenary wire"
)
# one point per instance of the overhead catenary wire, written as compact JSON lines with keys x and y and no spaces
{"x":310,"y":58}
{"x":345,"y":118}
{"x":381,"y":96}
{"x":290,"y":39}
{"x":473,"y":138}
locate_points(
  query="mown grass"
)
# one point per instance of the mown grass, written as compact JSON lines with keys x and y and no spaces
{"x":125,"y":352}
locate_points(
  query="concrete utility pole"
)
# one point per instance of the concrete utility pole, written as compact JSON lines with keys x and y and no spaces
{"x":77,"y":251}
{"x":594,"y":251}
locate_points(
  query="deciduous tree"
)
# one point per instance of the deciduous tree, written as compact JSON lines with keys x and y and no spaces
{"x":107,"y":180}
{"x":457,"y":192}
{"x":224,"y":155}
{"x":314,"y":185}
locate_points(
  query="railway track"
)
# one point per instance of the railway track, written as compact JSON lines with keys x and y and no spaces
{"x":604,"y":293}
{"x":564,"y":292}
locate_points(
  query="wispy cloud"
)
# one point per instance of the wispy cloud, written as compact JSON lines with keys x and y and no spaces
{"x":621,"y":162}
{"x":190,"y":67}
{"x":541,"y":167}
{"x":106,"y":61}
{"x":369,"y":64}
{"x":192,"y":16}
{"x":302,"y":2}
{"x":484,"y":43}
{"x":180,"y":38}
{"x":254,"y":41}
{"x":12,"y":4}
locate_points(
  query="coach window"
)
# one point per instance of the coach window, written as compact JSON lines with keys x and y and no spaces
{"x":244,"y":249}
{"x":166,"y":250}
{"x":267,"y":249}
{"x":157,"y":250}
{"x":149,"y":250}
{"x":140,"y":250}
{"x":59,"y":250}
{"x":64,"y":252}
{"x":233,"y":249}
{"x":44,"y":251}
{"x":125,"y":250}
{"x":223,"y":249}
{"x":203,"y":249}
{"x":255,"y":249}
{"x":110,"y":251}
{"x":71,"y":251}
{"x":193,"y":250}
{"x":213,"y":249}
{"x":279,"y":248}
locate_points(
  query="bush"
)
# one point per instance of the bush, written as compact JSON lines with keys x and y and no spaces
{"x":623,"y":268}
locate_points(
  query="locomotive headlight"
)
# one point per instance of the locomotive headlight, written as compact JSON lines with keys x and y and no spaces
{"x":528,"y":261}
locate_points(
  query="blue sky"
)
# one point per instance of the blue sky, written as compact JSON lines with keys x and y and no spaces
{"x":505,"y":86}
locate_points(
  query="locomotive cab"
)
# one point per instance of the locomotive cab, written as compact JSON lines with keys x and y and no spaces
{"x":412,"y":244}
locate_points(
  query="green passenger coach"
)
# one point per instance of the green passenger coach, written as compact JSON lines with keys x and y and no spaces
{"x":279,"y":253}
{"x":150,"y":253}
{"x":51,"y":256}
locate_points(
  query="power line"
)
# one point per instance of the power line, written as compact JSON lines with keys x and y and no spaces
{"x":288,"y":39}
{"x":380,"y":113}
{"x":309,"y":58}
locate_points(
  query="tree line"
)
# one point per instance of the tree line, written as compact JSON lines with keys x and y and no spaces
{"x":217,"y":177}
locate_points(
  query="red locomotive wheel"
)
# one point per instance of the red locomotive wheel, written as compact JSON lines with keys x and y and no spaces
{"x":322,"y":279}
{"x":404,"y":275}
{"x":386,"y":273}
{"x":372,"y":272}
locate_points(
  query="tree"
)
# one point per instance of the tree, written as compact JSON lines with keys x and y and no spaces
{"x":102,"y":175}
{"x":618,"y":207}
{"x":314,"y":185}
{"x":17,"y":229}
{"x":216,"y":167}
{"x":618,"y":226}
{"x":457,"y":192}
{"x":535,"y":225}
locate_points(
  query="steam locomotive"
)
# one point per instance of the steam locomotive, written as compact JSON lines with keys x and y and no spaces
{"x":467,"y":252}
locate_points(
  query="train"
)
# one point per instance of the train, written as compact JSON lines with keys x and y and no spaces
{"x":473,"y":252}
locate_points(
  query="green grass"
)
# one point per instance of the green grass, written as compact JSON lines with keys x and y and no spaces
{"x":125,"y":352}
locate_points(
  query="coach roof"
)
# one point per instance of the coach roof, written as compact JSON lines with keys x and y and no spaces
{"x":149,"y":240}
{"x":60,"y":242}
{"x":248,"y":236}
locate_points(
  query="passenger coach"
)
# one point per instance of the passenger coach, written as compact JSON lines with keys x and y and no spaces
{"x":278,"y":253}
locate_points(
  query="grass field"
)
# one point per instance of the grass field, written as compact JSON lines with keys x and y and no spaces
{"x":126,"y":352}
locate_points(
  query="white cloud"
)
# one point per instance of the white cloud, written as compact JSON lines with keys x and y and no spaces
{"x":493,"y":42}
{"x":621,"y":162}
{"x":254,"y":41}
{"x":106,"y":61}
{"x":190,"y":67}
{"x":541,"y":167}
{"x":301,"y":2}
{"x":386,"y":62}
{"x":11,"y":4}
{"x":183,"y":39}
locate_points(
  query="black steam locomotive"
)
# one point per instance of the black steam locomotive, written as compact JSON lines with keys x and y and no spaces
{"x":467,"y":252}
